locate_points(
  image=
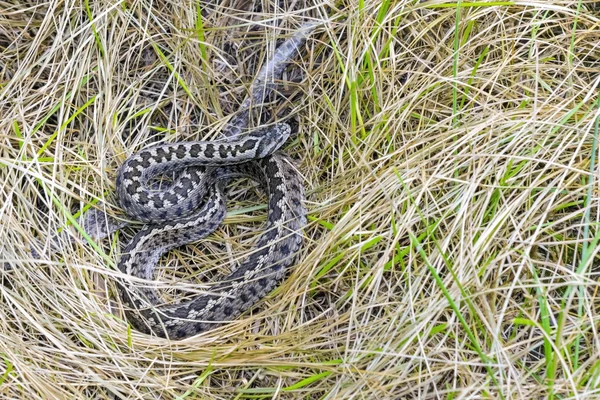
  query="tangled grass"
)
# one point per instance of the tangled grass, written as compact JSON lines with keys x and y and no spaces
{"x":449,"y":151}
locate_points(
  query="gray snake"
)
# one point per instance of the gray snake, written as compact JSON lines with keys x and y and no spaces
{"x":176,"y":219}
{"x":256,"y":276}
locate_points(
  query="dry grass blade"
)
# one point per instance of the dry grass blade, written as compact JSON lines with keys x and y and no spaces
{"x":450,"y":156}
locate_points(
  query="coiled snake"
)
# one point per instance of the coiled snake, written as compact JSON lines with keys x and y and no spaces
{"x":257,"y":275}
{"x":205,"y":167}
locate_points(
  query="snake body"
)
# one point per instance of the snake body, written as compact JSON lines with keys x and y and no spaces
{"x":194,"y":206}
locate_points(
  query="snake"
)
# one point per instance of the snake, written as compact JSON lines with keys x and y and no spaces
{"x":193,"y":206}
{"x":171,"y":227}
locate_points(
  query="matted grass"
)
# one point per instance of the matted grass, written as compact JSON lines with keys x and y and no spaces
{"x":449,"y":151}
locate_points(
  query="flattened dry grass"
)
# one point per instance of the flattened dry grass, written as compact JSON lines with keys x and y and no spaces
{"x":449,"y":151}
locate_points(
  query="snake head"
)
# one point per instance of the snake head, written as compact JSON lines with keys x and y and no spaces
{"x":270,"y":138}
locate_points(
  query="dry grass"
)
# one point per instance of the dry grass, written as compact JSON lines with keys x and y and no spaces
{"x":448,"y":152}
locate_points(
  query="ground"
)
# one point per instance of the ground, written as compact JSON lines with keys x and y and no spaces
{"x":450,"y":158}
